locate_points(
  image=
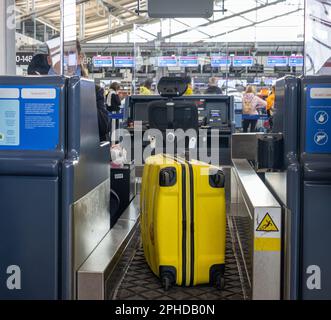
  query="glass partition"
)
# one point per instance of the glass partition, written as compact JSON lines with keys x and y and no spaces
{"x":318,"y":38}
{"x":46,"y":38}
{"x":157,"y":56}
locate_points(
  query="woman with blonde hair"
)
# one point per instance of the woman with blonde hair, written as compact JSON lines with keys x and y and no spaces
{"x":251,"y":104}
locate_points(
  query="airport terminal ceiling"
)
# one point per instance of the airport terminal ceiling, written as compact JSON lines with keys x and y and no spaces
{"x":115,"y":21}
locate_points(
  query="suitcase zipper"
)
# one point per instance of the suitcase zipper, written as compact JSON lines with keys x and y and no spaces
{"x":183,"y":164}
{"x":191,"y":221}
{"x":184,"y":222}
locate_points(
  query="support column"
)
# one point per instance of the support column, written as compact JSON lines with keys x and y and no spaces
{"x":7,"y":37}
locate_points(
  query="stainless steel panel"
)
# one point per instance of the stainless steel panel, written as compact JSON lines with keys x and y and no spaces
{"x":254,"y":190}
{"x":91,"y":222}
{"x":133,"y":211}
{"x":93,"y":274}
{"x":288,"y":254}
{"x":96,"y":269}
{"x":277,"y":182}
{"x":250,"y":202}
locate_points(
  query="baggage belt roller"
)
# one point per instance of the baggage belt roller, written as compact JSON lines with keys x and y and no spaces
{"x":183,"y":221}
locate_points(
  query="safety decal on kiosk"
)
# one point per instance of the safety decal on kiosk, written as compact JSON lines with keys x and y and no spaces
{"x":267,"y":230}
{"x":267,"y":224}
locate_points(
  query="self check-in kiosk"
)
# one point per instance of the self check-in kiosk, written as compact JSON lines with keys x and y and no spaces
{"x":303,"y":116}
{"x":54,"y":185}
{"x":214,"y":112}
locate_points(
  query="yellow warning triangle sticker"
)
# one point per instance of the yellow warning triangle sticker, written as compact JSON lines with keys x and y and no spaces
{"x":267,"y":224}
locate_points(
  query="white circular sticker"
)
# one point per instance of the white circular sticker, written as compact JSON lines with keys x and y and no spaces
{"x":321,"y":138}
{"x":321,"y":117}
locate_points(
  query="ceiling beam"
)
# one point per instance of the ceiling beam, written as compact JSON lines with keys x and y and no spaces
{"x":255,"y":23}
{"x":45,"y":11}
{"x":41,"y":20}
{"x":125,"y":27}
{"x":238,"y":14}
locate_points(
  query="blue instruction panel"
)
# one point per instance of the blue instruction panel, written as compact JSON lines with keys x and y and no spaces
{"x":318,"y":119}
{"x":29,"y":118}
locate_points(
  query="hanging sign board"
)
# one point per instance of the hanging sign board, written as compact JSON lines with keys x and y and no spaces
{"x":180,"y":9}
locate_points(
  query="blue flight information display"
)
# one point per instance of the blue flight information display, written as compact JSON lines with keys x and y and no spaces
{"x":188,"y":61}
{"x":170,"y":61}
{"x":103,"y":62}
{"x":296,"y":61}
{"x":220,"y":61}
{"x":318,"y":119}
{"x":277,"y":61}
{"x":29,"y":118}
{"x":243,"y":61}
{"x":124,"y":62}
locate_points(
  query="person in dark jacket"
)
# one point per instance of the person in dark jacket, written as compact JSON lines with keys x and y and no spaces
{"x":113,"y":98}
{"x":213,"y":87}
{"x":103,"y":119}
{"x":39,"y":65}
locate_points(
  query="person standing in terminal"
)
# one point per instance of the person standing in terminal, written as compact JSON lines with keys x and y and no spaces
{"x":213,"y":87}
{"x":39,"y":65}
{"x":113,"y":100}
{"x":270,"y":104}
{"x":189,"y":90}
{"x":103,"y":119}
{"x":250,"y":105}
{"x":146,"y":88}
{"x":81,"y":71}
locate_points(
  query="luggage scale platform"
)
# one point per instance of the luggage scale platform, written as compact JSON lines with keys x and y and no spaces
{"x":117,"y":268}
{"x":139,"y":283}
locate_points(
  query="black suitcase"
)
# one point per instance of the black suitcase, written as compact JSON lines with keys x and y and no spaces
{"x":123,"y":184}
{"x":269,"y":152}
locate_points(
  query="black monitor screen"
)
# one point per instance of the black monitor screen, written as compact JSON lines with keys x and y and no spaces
{"x":141,"y":111}
{"x":218,"y":109}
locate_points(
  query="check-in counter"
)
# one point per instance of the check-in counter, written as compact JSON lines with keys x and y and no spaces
{"x":54,"y":182}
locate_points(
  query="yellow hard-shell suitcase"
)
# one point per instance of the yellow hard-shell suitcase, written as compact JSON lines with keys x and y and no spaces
{"x":183,"y":221}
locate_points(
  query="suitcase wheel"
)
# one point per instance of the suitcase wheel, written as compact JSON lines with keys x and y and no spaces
{"x":167,"y":276}
{"x":167,"y":280}
{"x":220,"y":282}
{"x":166,"y":283}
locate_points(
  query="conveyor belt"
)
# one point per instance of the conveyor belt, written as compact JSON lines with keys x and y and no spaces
{"x":139,"y":283}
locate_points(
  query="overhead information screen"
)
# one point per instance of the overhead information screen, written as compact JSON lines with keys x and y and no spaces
{"x":29,"y":118}
{"x":103,"y":62}
{"x":189,"y":61}
{"x":220,"y":61}
{"x":124,"y":62}
{"x":243,"y":61}
{"x":277,"y":61}
{"x":180,"y":9}
{"x":296,"y":61}
{"x":170,"y":61}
